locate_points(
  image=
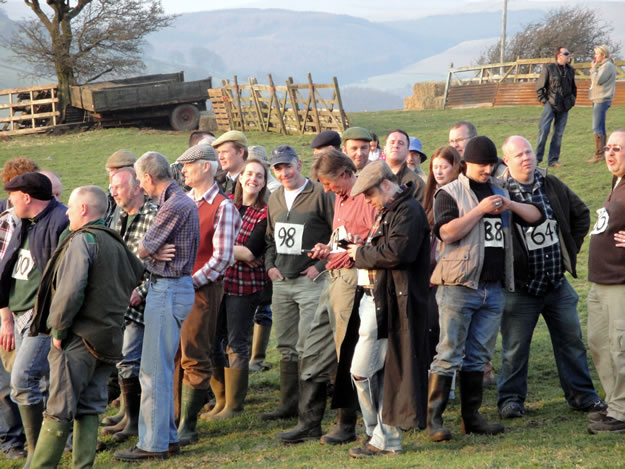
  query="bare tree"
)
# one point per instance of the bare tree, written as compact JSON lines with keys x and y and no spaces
{"x":575,"y":27}
{"x":81,"y":42}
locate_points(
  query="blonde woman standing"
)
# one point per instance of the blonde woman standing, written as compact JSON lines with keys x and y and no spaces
{"x":602,"y":88}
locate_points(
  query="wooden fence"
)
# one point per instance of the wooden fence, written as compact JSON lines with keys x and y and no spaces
{"x":28,"y":110}
{"x":513,"y":84}
{"x":293,"y":109}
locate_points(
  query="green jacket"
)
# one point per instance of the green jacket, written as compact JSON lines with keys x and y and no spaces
{"x":86,"y":288}
{"x":313,"y":209}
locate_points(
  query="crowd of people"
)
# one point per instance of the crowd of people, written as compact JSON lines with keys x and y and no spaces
{"x":384,"y":286}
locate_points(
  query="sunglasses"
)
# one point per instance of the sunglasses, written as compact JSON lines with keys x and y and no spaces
{"x":614,"y":148}
{"x":565,"y":53}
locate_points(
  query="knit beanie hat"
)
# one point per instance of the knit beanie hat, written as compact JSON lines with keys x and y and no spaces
{"x":480,"y":150}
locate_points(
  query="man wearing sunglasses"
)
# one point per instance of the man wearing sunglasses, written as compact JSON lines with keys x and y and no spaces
{"x":606,"y":258}
{"x":557,"y":91}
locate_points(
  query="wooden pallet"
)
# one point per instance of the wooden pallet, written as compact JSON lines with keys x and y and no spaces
{"x":293,"y":109}
{"x":29,"y":110}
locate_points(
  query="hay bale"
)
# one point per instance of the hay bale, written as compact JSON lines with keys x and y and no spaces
{"x":433,"y":102}
{"x":208,"y":122}
{"x":424,"y":94}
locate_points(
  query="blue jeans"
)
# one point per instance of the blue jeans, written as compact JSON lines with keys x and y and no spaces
{"x":130,"y":365}
{"x":559,"y":309}
{"x":599,"y":111}
{"x":544,"y":126}
{"x":30,"y":373}
{"x":469,"y":321}
{"x":168,"y":303}
{"x":11,"y":431}
{"x":262,"y":316}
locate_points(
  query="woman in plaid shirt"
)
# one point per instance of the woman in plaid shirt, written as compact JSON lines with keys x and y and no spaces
{"x":244,"y":282}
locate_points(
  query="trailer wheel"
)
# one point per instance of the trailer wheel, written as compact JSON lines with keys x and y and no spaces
{"x":184,"y":117}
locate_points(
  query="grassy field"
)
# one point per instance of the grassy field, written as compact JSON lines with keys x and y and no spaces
{"x":550,"y":435}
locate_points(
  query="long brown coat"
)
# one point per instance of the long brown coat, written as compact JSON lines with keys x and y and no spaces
{"x":400,"y":253}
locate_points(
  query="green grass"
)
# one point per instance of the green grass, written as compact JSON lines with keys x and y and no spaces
{"x":550,"y":435}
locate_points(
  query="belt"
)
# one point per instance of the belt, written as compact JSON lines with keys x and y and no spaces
{"x":152,"y":277}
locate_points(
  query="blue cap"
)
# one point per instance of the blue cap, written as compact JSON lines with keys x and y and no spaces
{"x":283,"y":154}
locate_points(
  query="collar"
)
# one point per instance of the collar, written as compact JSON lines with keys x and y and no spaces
{"x":167,"y":193}
{"x":208,"y":196}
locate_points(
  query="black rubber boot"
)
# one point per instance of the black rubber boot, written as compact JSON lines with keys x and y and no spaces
{"x":438,"y":395}
{"x":289,"y":395}
{"x":131,"y":391}
{"x":345,"y":429}
{"x":312,"y":406}
{"x":471,"y":389}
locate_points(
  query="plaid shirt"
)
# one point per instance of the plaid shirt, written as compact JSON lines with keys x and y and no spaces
{"x":8,"y":223}
{"x":241,"y":279}
{"x":545,"y":264}
{"x":132,"y":234}
{"x":177,"y":222}
{"x":227,"y":226}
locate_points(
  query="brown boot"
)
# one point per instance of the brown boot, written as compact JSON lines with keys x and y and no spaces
{"x":218,"y":385}
{"x":599,"y":144}
{"x":236,"y":389}
{"x":260,"y":341}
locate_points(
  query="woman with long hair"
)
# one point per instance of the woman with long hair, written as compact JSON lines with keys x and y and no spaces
{"x":244,"y":283}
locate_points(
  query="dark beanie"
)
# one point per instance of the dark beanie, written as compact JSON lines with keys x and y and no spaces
{"x":36,"y":185}
{"x":480,"y":150}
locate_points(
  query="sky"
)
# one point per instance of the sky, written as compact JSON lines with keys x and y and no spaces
{"x":373,"y":10}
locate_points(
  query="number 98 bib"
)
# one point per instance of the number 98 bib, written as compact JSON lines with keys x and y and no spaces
{"x":288,"y":237}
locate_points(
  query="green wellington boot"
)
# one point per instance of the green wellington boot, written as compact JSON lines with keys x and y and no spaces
{"x":85,"y":441}
{"x":51,"y":443}
{"x":32,"y":416}
{"x":191,"y":401}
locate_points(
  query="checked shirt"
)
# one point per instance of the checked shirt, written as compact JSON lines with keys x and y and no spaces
{"x":545,"y":264}
{"x":132,"y":233}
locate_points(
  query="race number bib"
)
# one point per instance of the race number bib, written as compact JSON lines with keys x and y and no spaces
{"x":289,"y":238}
{"x":493,"y":233}
{"x":23,"y":265}
{"x":602,"y":221}
{"x":542,"y":236}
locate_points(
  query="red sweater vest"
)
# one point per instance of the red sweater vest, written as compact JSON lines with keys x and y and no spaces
{"x":207,"y":230}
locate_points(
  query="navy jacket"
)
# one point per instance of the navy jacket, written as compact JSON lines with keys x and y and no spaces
{"x":43,"y":237}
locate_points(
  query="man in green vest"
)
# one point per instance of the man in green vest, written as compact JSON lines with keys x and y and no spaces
{"x":81,"y":303}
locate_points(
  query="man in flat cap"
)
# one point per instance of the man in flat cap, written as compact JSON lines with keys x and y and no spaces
{"x":325,"y":139}
{"x":119,"y":159}
{"x":81,"y":304}
{"x":396,"y":151}
{"x":356,"y":145}
{"x":43,"y":220}
{"x":387,"y":348}
{"x":299,"y":216}
{"x":176,"y":228}
{"x":220,"y":223}
{"x":231,"y":149}
{"x":473,"y":219}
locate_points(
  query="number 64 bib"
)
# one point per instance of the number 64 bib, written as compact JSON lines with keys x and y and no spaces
{"x":288,"y":237}
{"x":542,"y":236}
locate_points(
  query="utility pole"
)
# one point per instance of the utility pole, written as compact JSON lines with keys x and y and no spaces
{"x":502,"y":45}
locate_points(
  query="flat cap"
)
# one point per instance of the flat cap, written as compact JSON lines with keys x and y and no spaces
{"x":326,"y":138}
{"x":201,"y":151}
{"x":36,"y":185}
{"x":415,"y":145}
{"x":371,"y":176}
{"x":121,"y":159}
{"x":231,"y":136}
{"x":357,"y":133}
{"x":480,"y":150}
{"x":283,"y":154}
{"x":257,"y":153}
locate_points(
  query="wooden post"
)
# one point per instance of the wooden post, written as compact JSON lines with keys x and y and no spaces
{"x":261,"y":121}
{"x":237,"y":91}
{"x":272,"y":87}
{"x":298,"y":119}
{"x":340,"y":101}
{"x":451,"y":66}
{"x":52,"y":90}
{"x":313,"y":101}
